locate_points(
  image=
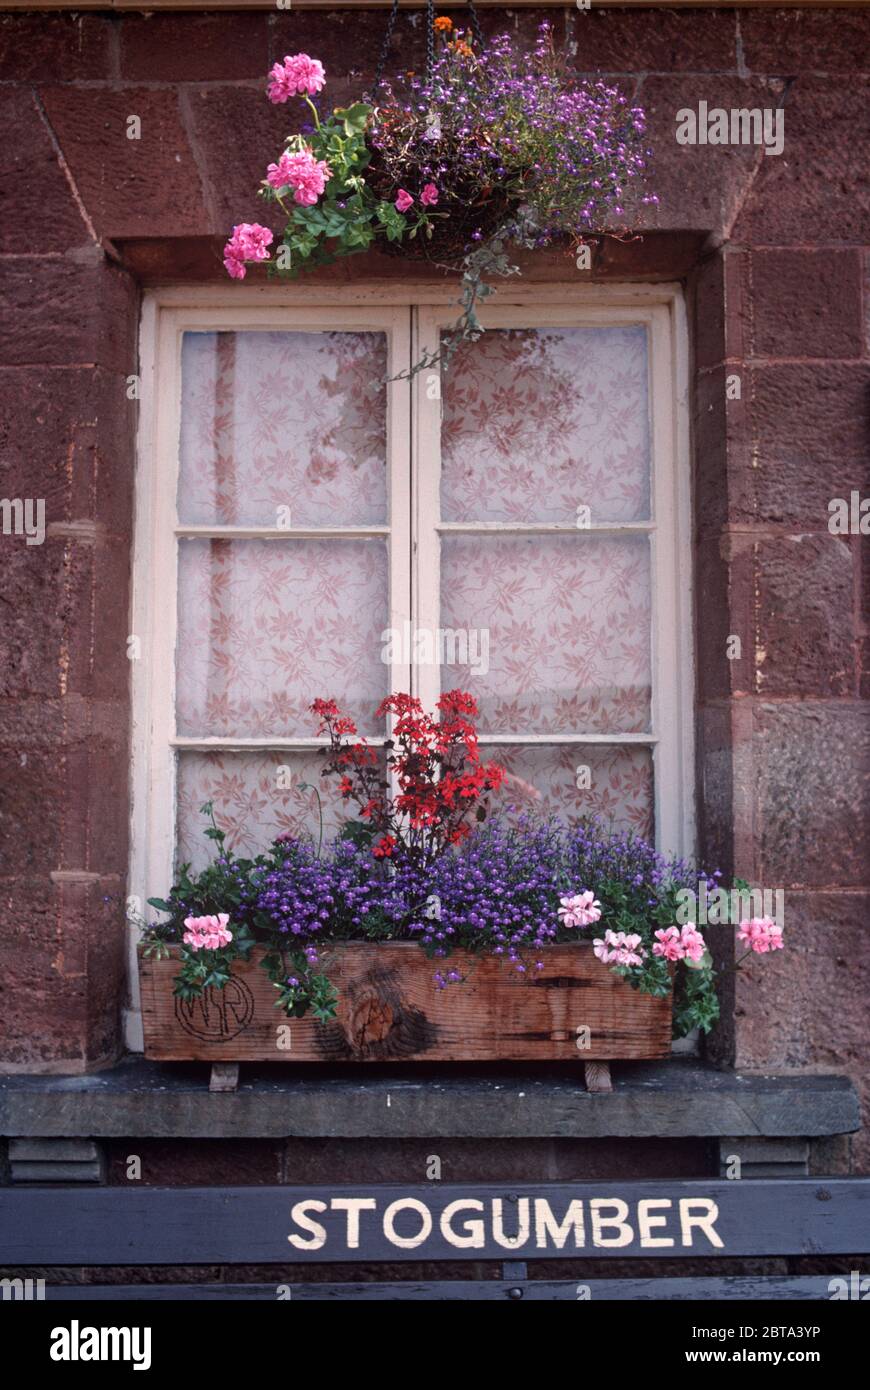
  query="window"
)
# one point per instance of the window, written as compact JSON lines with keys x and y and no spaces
{"x":517,"y":528}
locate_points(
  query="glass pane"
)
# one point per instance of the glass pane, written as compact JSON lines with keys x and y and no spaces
{"x":265,"y":627}
{"x":555,"y":629}
{"x":256,"y":796}
{"x":575,"y":781}
{"x":283,"y":420}
{"x":538,"y":422}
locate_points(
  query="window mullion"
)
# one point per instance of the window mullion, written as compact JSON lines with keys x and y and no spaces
{"x":427,"y":506}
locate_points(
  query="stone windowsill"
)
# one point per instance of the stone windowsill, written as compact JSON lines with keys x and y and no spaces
{"x":671,"y":1100}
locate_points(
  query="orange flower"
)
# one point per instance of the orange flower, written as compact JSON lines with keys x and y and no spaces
{"x":459,"y":46}
{"x":443,"y":25}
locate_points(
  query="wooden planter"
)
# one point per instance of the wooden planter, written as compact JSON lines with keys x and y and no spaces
{"x":390,"y":1011}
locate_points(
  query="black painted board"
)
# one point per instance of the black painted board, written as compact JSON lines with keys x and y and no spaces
{"x":286,"y":1225}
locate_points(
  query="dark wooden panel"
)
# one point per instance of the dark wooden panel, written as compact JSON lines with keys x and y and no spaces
{"x":147,"y":1226}
{"x":389,"y":1010}
{"x":809,"y":1286}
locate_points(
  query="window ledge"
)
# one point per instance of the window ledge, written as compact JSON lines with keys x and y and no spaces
{"x":669,"y":1100}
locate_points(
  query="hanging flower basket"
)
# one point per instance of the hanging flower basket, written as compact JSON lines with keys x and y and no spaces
{"x":491,"y":148}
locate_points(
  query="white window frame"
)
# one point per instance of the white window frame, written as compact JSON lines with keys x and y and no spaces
{"x":410,"y":314}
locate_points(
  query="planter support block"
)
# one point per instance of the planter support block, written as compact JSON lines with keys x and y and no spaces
{"x":597,"y":1076}
{"x":224,"y":1076}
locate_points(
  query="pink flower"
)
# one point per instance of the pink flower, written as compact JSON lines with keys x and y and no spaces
{"x":668,"y":944}
{"x":404,"y":200}
{"x":303,"y":173}
{"x":429,"y":196}
{"x":249,"y":242}
{"x":296,"y":76}
{"x":207,"y":933}
{"x":580,"y":911}
{"x":619,"y":948}
{"x":692,"y":942}
{"x":235,"y":266}
{"x":761,"y":934}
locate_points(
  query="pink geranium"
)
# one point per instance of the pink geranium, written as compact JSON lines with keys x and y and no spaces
{"x":580,"y":911}
{"x":404,"y":200}
{"x":668,"y":944}
{"x":207,"y":933}
{"x":692,"y":942}
{"x":761,"y":934}
{"x":429,"y":196}
{"x":303,"y":173}
{"x":619,"y":948}
{"x":296,"y":76}
{"x":249,"y":242}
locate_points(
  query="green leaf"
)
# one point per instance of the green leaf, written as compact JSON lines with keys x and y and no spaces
{"x":355,"y":117}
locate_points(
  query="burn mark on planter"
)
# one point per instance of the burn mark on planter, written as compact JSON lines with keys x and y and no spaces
{"x":377,"y":1021}
{"x":218,"y":1015}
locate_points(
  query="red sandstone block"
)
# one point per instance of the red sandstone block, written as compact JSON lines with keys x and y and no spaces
{"x":63,"y":47}
{"x":53,"y":1011}
{"x":40,"y":597}
{"x":629,"y":41}
{"x":67,"y":437}
{"x":806,"y":303}
{"x":788,"y":41}
{"x":813,"y":794}
{"x":97,"y":802}
{"x":39,"y":213}
{"x":864,"y":668}
{"x":720,"y":305}
{"x":194,"y":47}
{"x":233,"y":168}
{"x":698,"y":186}
{"x":80,"y":309}
{"x":724,"y":608}
{"x":806,"y":1007}
{"x":349,"y":41}
{"x":804,"y":641}
{"x":810,"y":432}
{"x":815,"y":191}
{"x":32,"y":782}
{"x":131,"y":187}
{"x":707,"y":301}
{"x":724,"y":480}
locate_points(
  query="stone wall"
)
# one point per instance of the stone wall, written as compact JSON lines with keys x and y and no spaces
{"x":772,"y":251}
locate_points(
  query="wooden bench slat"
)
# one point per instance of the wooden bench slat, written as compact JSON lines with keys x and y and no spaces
{"x":807,"y":1287}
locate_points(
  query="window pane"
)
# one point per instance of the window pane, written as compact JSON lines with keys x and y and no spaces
{"x":540,"y":421}
{"x":265,"y":627}
{"x":567,"y":624}
{"x":573,"y":781}
{"x":283,"y":420}
{"x":256,"y":797}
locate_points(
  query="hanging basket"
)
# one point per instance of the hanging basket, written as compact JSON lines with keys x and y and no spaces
{"x":453,"y":233}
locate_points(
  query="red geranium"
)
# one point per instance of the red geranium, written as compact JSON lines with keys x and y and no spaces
{"x":434,"y":776}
